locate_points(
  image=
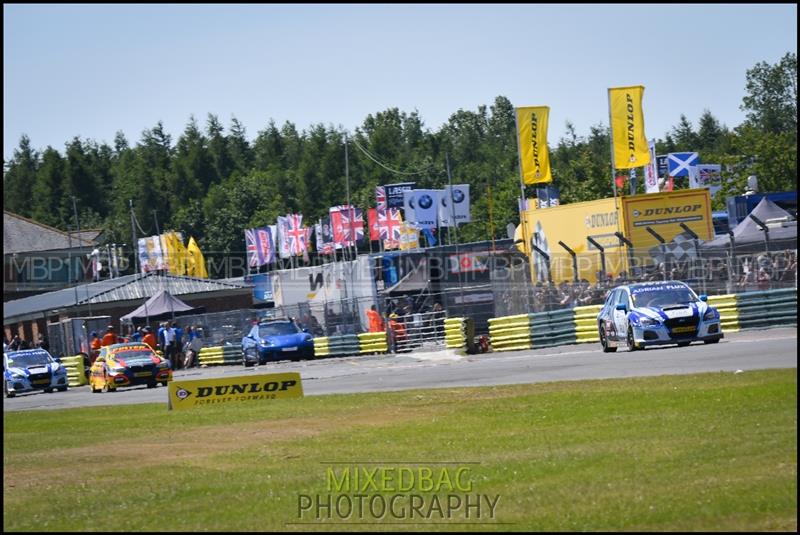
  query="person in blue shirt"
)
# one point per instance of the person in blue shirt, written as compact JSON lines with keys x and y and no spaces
{"x":178,"y":334}
{"x":137,"y":335}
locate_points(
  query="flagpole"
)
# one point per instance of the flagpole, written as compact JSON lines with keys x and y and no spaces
{"x":454,"y":224}
{"x":523,"y":205}
{"x":134,"y":244}
{"x":352,"y":212}
{"x":350,"y":209}
{"x":613,"y":164}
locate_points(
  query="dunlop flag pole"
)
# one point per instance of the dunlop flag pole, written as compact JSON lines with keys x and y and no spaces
{"x":611,"y":147}
{"x":522,"y":205}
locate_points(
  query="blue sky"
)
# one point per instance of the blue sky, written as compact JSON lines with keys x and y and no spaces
{"x":88,"y":71}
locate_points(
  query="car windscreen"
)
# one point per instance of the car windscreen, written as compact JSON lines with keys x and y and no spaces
{"x":277,"y":329}
{"x":660,"y":296}
{"x":28,"y":360}
{"x":132,"y":354}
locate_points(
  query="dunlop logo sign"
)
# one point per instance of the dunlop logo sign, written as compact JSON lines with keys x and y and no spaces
{"x":205,"y":392}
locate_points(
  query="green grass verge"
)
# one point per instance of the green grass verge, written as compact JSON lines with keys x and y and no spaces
{"x":695,"y":452}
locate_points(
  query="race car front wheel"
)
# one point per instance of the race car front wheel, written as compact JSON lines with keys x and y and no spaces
{"x":6,"y":392}
{"x":631,"y":341}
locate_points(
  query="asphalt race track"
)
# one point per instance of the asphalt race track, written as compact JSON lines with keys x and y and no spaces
{"x":749,"y":350}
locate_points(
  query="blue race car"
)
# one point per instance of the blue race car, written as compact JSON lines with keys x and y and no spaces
{"x":32,"y":369}
{"x":656,"y":313}
{"x":276,"y":340}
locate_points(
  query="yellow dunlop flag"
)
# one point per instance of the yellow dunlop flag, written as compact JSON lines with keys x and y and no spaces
{"x":172,"y":252}
{"x":627,"y":127}
{"x":166,"y":251}
{"x":532,"y":141}
{"x":196,"y":263}
{"x":180,"y":254}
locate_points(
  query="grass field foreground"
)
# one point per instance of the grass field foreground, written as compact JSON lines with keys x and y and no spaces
{"x":711,"y":451}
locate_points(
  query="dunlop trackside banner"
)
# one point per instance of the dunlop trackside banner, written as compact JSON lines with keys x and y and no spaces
{"x":627,"y":127}
{"x":204,"y":392}
{"x":664,"y":212}
{"x":532,"y":140}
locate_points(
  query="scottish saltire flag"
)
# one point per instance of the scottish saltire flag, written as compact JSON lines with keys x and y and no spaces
{"x":680,"y":162}
{"x":296,"y":235}
{"x":284,"y":249}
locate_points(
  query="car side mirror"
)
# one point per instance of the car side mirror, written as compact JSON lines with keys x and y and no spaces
{"x":703,"y":297}
{"x":622,"y":307}
{"x":305,"y":330}
{"x":57,"y":359}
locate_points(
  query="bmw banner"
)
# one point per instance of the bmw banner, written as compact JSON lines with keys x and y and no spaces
{"x":460,"y":200}
{"x":426,"y":207}
{"x":409,"y":205}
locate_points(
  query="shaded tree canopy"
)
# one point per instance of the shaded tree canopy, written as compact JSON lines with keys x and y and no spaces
{"x":212,"y":182}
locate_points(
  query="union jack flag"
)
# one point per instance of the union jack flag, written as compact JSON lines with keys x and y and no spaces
{"x":296,"y":234}
{"x":380,"y":198}
{"x":348,"y":224}
{"x":389,"y":224}
{"x":260,"y":250}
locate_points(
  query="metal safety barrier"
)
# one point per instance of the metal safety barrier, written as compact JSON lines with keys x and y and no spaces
{"x":550,"y":329}
{"x":423,"y":331}
{"x":767,"y":308}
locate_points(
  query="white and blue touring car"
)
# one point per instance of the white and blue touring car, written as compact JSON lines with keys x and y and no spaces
{"x":656,"y":313}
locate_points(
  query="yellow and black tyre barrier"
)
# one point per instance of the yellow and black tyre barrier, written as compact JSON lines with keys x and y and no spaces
{"x":455,"y":333}
{"x":728,"y":311}
{"x":510,"y":333}
{"x":373,"y":342}
{"x":585,"y":319}
{"x":221,"y":355}
{"x":75,"y":370}
{"x":321,"y":347}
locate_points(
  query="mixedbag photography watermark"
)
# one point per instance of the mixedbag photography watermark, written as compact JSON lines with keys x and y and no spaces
{"x":395,"y":493}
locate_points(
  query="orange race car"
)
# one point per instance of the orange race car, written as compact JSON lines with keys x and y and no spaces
{"x":128,"y":364}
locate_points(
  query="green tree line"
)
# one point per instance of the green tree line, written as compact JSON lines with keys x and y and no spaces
{"x":213,"y":182}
